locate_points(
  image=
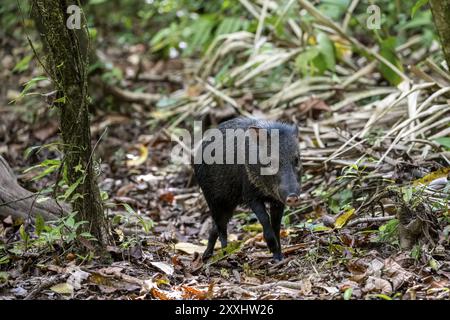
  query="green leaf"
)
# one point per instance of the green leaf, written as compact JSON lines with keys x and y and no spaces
{"x":129,"y":209}
{"x":407,"y":194}
{"x":70,"y":221}
{"x":39,"y":224}
{"x":326,"y":48}
{"x":3,"y":276}
{"x":22,"y":65}
{"x":444,"y":141}
{"x":348,"y":293}
{"x":419,"y":4}
{"x":380,"y":296}
{"x":23,"y":233}
{"x":388,"y":52}
{"x":60,"y":100}
{"x":72,"y":188}
{"x":4,"y":260}
{"x":304,"y":60}
{"x":30,"y":85}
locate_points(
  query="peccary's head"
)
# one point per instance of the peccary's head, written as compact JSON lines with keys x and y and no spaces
{"x":282,"y":157}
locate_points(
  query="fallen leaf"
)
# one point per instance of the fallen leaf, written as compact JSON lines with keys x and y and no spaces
{"x":378,"y":284}
{"x":77,"y":276}
{"x":136,"y":161}
{"x":396,"y":273}
{"x":343,"y":218}
{"x":189,"y":248}
{"x":193,"y":293}
{"x":164,"y":267}
{"x":63,"y":288}
{"x":167,"y":197}
{"x":432,"y":176}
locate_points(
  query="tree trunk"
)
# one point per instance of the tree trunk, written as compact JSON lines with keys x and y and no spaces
{"x":441,"y":15}
{"x":20,"y":203}
{"x":66,"y":62}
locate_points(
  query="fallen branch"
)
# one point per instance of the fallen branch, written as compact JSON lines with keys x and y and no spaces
{"x":20,"y":203}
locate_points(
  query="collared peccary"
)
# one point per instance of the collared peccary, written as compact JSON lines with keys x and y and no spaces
{"x":227,"y":184}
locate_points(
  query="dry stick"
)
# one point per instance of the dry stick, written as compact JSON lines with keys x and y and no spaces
{"x":46,"y":283}
{"x":348,"y":14}
{"x":430,"y":63}
{"x":403,"y":124}
{"x":422,"y":75}
{"x":422,"y":128}
{"x":440,"y":134}
{"x":130,"y":96}
{"x":369,"y":219}
{"x":317,"y":135}
{"x":224,"y":97}
{"x":250,"y":8}
{"x":402,"y":96}
{"x":359,"y":74}
{"x":419,"y":114}
{"x":285,"y":284}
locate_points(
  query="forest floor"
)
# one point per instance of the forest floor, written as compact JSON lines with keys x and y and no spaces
{"x":159,"y":241}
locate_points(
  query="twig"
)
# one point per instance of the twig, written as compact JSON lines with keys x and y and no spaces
{"x":369,"y":219}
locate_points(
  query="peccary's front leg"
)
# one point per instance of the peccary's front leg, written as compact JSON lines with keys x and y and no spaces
{"x":269,"y":235}
{"x":276,"y":215}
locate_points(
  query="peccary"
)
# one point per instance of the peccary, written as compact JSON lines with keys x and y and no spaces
{"x":225,"y":185}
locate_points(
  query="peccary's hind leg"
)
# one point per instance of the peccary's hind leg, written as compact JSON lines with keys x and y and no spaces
{"x":219,"y":230}
{"x":222,"y":217}
{"x":213,"y":235}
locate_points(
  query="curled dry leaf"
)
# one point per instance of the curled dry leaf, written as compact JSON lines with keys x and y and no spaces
{"x":378,"y":285}
{"x":396,"y":273}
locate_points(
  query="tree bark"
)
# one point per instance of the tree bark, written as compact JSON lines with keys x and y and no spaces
{"x":66,"y":62}
{"x":441,"y":15}
{"x":20,"y":203}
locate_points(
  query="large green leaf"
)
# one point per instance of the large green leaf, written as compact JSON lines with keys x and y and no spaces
{"x":388,"y":52}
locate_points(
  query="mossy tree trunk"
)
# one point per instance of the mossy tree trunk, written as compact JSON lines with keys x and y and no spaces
{"x":66,"y":62}
{"x":441,"y":16}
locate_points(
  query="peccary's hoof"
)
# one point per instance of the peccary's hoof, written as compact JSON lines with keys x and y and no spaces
{"x":277,"y":257}
{"x":206,"y":256}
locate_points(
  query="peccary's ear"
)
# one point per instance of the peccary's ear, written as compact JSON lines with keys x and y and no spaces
{"x":254,"y":127}
{"x":255,"y":131}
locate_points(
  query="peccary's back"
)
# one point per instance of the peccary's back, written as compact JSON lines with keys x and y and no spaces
{"x":229,"y":184}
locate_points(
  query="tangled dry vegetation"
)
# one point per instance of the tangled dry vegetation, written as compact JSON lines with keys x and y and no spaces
{"x":374,"y":223}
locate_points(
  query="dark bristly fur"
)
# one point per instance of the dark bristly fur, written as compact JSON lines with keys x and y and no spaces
{"x":225,"y":186}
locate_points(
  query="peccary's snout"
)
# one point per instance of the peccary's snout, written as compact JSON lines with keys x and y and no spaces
{"x":290,"y":191}
{"x":293,"y":200}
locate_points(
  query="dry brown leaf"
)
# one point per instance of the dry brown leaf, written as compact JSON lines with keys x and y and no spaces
{"x":378,"y":285}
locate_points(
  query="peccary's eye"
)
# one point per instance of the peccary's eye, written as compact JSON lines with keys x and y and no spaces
{"x":296,"y":161}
